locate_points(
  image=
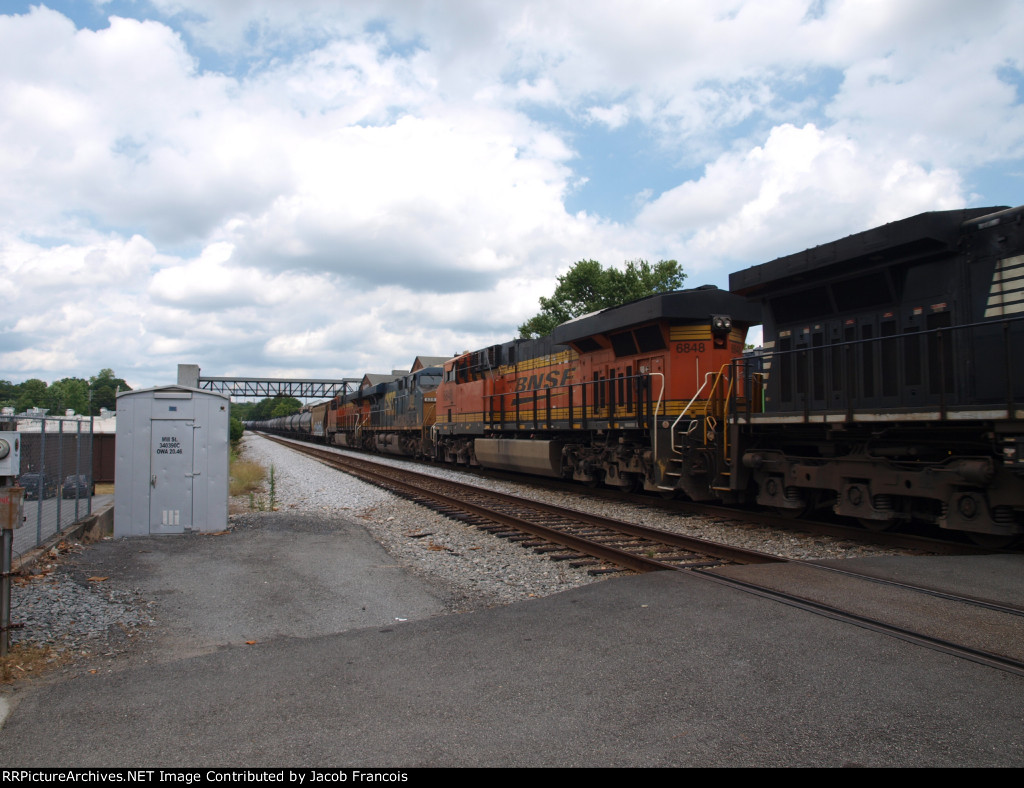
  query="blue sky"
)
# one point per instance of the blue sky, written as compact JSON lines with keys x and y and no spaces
{"x":328,"y":189}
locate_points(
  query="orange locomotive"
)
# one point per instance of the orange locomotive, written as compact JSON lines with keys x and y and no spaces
{"x":628,"y":396}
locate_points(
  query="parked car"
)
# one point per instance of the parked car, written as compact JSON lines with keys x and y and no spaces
{"x":78,"y":487}
{"x":37,"y":485}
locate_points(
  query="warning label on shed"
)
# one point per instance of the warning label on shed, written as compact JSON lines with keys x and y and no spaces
{"x":169,"y":446}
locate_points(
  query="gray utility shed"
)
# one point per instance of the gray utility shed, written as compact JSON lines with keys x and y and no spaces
{"x":171,"y":470}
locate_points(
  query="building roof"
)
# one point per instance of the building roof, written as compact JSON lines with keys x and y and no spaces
{"x":422,"y":362}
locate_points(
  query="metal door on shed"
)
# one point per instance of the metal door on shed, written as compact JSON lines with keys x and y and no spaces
{"x":172,"y":466}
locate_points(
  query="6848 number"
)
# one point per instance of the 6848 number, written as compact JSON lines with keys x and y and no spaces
{"x":690,"y":347}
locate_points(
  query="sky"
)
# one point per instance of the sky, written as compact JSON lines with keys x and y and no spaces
{"x":325,"y":189}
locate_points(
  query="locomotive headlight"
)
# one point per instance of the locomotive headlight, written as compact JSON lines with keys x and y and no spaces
{"x":721,"y":325}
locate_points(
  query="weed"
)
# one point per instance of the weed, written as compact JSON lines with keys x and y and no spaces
{"x":25,"y":661}
{"x":245,"y":477}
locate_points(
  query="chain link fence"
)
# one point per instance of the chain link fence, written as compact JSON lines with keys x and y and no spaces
{"x":57,"y":474}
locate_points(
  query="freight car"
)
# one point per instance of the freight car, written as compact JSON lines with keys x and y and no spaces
{"x":888,"y":388}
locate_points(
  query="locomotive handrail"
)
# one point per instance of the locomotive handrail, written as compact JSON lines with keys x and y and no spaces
{"x":533,"y":407}
{"x":818,"y":382}
{"x":694,"y":422}
{"x":695,"y":396}
{"x":657,"y":409}
{"x":725,"y":412}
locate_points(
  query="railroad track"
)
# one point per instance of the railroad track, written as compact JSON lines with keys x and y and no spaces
{"x":942,"y":544}
{"x":557,"y":532}
{"x":988,"y":633}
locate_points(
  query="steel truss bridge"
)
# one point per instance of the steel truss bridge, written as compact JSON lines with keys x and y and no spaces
{"x":277,"y":387}
{"x":188,"y":375}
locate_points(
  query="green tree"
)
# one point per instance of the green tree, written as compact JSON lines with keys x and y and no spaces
{"x":588,"y":287}
{"x":104,"y":388}
{"x":31,"y":394}
{"x":67,"y":393}
{"x":268,"y":408}
{"x":8,"y":394}
{"x":242,"y":410}
{"x":285,"y":406}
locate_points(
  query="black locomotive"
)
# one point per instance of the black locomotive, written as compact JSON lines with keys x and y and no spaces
{"x":893,"y":375}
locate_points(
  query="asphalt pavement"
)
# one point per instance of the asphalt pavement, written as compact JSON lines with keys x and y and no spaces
{"x":299,"y":645}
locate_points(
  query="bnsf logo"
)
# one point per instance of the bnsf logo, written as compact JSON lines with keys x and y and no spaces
{"x":542,"y":381}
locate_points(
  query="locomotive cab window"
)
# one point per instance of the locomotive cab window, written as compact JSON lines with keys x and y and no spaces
{"x":871,"y":290}
{"x":586,"y":345}
{"x":649,"y":338}
{"x":623,"y":344}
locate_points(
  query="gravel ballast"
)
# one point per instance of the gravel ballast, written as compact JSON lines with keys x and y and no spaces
{"x":481,"y":567}
{"x":313,"y":474}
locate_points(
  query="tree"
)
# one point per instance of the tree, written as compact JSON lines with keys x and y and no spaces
{"x":268,"y":408}
{"x":8,"y":394}
{"x":285,"y":406}
{"x":104,"y":388}
{"x":68,"y":393}
{"x":588,"y":287}
{"x":31,"y":394}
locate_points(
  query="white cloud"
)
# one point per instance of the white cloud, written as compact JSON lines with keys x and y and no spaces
{"x":803,"y":187}
{"x":345,"y":186}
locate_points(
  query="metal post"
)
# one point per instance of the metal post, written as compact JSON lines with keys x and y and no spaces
{"x":60,"y":472}
{"x":78,"y":464}
{"x":42,"y":472}
{"x":5,"y":591}
{"x":10,"y":514}
{"x":92,"y":462}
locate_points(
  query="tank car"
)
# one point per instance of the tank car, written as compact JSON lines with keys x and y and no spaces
{"x":893,"y":388}
{"x":601,"y":397}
